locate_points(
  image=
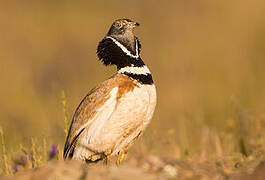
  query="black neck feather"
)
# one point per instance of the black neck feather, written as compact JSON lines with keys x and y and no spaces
{"x":142,"y":78}
{"x":111,"y":54}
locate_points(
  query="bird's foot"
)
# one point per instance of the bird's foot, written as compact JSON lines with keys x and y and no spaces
{"x":106,"y":159}
{"x":120,"y":157}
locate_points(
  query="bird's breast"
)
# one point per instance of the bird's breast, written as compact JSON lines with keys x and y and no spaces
{"x":132,"y":114}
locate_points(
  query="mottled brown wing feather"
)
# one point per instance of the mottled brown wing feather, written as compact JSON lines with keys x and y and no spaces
{"x":85,"y":112}
{"x":92,"y":101}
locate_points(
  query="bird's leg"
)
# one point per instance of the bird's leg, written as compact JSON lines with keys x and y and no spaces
{"x":120,"y":157}
{"x":106,"y":159}
{"x":123,"y":152}
{"x":106,"y":155}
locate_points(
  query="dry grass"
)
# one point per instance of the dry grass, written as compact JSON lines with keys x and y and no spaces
{"x":207,"y":59}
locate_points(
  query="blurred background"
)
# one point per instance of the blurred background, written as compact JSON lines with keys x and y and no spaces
{"x":207,"y":59}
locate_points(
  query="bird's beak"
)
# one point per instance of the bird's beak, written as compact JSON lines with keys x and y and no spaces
{"x":136,"y":24}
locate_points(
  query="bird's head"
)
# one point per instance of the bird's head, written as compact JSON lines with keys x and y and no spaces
{"x":120,"y":46}
{"x":122,"y":27}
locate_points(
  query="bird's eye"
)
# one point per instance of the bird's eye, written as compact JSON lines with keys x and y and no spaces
{"x":118,"y":25}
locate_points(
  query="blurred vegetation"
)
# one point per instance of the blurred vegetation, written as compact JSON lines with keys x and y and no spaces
{"x":207,"y":58}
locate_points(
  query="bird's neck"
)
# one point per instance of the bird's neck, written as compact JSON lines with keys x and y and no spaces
{"x":128,"y":61}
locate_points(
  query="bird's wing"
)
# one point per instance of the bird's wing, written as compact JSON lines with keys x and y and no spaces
{"x":98,"y":105}
{"x":100,"y":102}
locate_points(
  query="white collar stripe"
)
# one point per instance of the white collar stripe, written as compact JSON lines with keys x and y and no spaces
{"x":124,"y":49}
{"x":135,"y":70}
{"x":136,"y":47}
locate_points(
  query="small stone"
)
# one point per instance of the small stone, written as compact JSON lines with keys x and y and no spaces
{"x":170,"y":171}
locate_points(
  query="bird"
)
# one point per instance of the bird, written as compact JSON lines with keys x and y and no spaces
{"x":114,"y":114}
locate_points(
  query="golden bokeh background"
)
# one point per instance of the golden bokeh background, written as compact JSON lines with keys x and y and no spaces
{"x":207,"y":59}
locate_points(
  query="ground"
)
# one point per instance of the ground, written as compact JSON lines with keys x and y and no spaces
{"x":150,"y":167}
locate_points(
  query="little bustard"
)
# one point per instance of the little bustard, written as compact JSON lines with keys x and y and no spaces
{"x":117,"y":111}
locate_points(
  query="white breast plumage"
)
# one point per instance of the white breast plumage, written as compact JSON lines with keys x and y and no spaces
{"x":119,"y":121}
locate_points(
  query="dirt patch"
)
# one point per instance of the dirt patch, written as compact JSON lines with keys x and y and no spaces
{"x":149,"y":168}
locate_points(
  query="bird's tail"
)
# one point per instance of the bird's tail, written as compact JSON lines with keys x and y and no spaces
{"x":83,"y":153}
